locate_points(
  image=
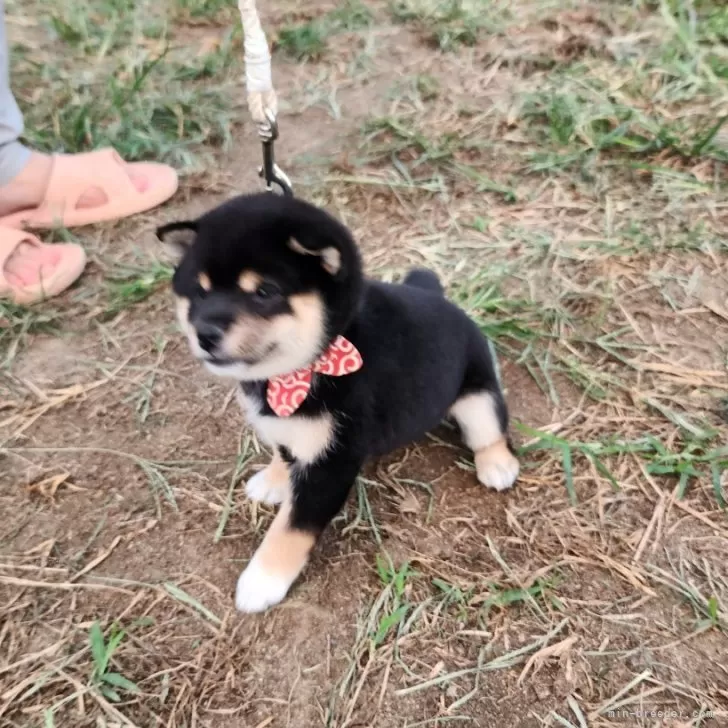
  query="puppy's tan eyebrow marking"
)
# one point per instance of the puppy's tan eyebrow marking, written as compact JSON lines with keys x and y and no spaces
{"x":249,"y":281}
{"x":204,"y":281}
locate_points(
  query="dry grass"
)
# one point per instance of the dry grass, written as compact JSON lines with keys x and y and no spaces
{"x":563,"y":169}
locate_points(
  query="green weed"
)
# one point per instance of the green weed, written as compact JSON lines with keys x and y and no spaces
{"x":447,"y":24}
{"x":101,"y":30}
{"x":396,"y":581}
{"x":507,"y":597}
{"x":418,"y":157}
{"x":245,"y":454}
{"x":131,"y":285}
{"x":206,"y":9}
{"x":161,"y":125}
{"x":590,"y":126}
{"x":695,"y":459}
{"x":350,"y":15}
{"x":17,"y":323}
{"x":224,"y":57}
{"x":308,"y":40}
{"x":453,"y":594}
{"x":364,"y":512}
{"x":142,"y":400}
{"x":701,"y":587}
{"x":143,"y":103}
{"x":427,"y":86}
{"x":102,"y":650}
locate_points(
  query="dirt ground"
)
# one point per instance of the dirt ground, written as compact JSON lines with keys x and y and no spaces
{"x":563,"y":167}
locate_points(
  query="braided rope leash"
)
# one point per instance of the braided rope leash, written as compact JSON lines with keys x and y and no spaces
{"x":262,"y":98}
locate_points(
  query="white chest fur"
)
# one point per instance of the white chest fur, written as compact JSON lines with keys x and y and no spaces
{"x":307,"y":438}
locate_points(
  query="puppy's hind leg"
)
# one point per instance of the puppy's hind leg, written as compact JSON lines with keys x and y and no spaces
{"x":482,"y":415}
{"x":483,"y":420}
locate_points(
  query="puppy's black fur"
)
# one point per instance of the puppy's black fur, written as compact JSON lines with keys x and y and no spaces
{"x":421,"y":353}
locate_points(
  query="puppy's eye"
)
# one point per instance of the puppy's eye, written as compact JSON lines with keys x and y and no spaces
{"x":267,"y":290}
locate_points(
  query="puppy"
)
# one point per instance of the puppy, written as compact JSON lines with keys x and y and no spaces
{"x":332,"y":368}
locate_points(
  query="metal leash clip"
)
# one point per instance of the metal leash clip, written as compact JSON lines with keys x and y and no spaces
{"x":270,"y":171}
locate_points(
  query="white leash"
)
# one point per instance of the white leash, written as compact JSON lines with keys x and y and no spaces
{"x":262,"y":99}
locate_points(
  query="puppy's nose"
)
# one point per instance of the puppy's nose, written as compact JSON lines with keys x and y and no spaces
{"x":209,"y":336}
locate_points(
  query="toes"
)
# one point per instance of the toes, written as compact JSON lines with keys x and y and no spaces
{"x":259,"y":489}
{"x":258,"y":589}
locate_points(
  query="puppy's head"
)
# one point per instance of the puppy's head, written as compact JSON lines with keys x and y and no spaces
{"x":264,"y":283}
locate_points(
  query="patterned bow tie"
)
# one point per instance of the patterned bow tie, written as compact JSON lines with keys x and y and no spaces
{"x":286,"y":393}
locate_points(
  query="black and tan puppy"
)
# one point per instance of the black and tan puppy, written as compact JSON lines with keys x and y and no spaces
{"x":333,"y":368}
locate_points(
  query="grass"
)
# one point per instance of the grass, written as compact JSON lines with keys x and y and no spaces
{"x":449,"y":24}
{"x":141,"y":122}
{"x":17,"y":323}
{"x":138,"y":92}
{"x":590,"y":126}
{"x":562,"y":169}
{"x":420,"y":159}
{"x":131,"y":285}
{"x":692,"y":461}
{"x":108,"y":682}
{"x":205,"y":9}
{"x":308,"y":40}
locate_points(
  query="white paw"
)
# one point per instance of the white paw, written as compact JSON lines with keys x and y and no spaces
{"x":497,"y":468}
{"x":257,"y":589}
{"x":259,"y":489}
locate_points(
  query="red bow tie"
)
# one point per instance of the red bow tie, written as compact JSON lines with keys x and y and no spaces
{"x":287,"y":392}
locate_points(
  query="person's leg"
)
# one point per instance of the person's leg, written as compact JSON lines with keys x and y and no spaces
{"x":13,"y":155}
{"x":27,"y":171}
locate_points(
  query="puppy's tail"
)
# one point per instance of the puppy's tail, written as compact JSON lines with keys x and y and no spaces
{"x":423,"y":278}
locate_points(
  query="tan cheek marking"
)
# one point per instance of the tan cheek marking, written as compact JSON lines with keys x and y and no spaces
{"x":308,"y":310}
{"x":249,"y":281}
{"x":244,"y":336}
{"x":204,"y":281}
{"x":285,"y":550}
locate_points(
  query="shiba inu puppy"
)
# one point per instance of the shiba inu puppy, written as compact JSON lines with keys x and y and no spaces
{"x":333,"y":368}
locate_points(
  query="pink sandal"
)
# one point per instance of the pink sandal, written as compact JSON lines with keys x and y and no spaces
{"x":75,"y":174}
{"x":31,"y":271}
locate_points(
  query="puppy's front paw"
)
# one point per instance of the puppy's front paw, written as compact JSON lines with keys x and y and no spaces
{"x":258,"y":589}
{"x":259,"y":488}
{"x":497,"y":466}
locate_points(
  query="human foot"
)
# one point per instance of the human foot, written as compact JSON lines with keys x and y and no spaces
{"x":31,"y":271}
{"x":82,"y":189}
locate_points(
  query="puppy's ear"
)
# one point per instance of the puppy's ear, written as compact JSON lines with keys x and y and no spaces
{"x":178,"y":237}
{"x":329,"y":254}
